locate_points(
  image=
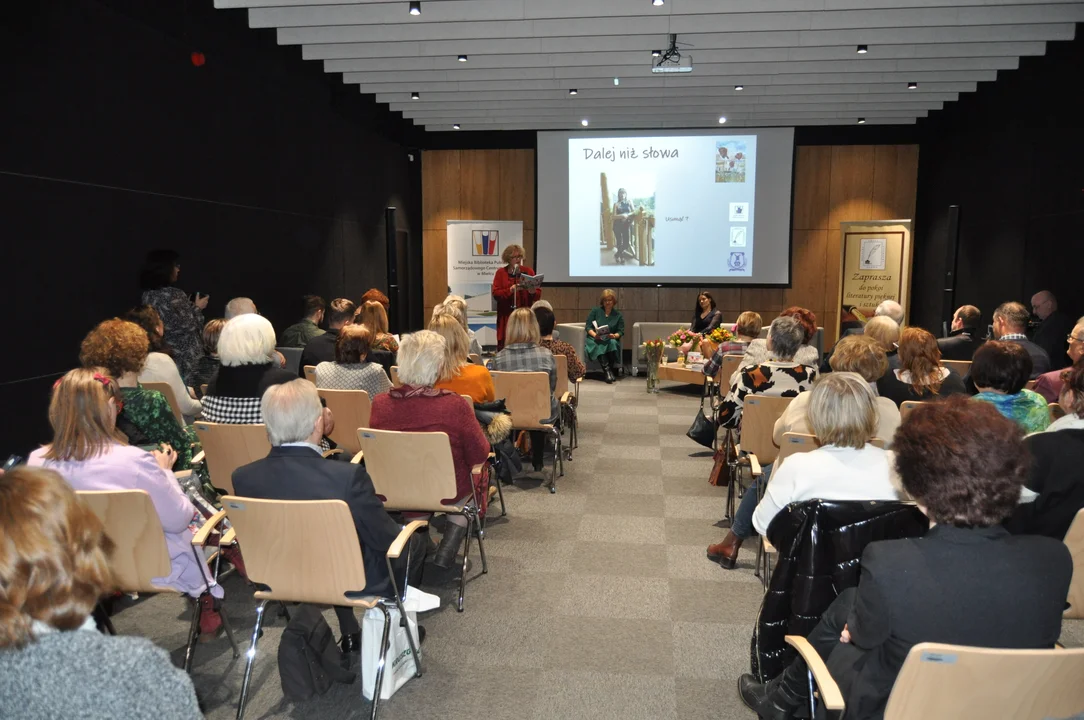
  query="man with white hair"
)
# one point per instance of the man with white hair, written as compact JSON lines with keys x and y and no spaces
{"x":240,"y":306}
{"x":890,"y":309}
{"x":296,"y":470}
{"x":1053,"y":329}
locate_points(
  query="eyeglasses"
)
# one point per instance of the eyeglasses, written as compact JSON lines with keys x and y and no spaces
{"x":1074,"y":339}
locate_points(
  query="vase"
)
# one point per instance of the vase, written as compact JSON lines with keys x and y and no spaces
{"x":653,"y":360}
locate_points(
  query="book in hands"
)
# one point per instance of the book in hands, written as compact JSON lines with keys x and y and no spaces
{"x":601,"y":333}
{"x":530,"y":282}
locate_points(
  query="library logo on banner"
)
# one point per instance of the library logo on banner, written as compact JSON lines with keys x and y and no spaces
{"x":739,"y":211}
{"x":736,"y":262}
{"x":484,"y":242}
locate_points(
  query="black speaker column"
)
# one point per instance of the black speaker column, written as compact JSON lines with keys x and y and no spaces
{"x":392,"y":255}
{"x":948,"y":304}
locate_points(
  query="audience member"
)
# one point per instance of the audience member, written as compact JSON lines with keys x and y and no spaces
{"x":920,"y":375}
{"x":159,"y":365}
{"x":1049,"y":384}
{"x":351,"y":369}
{"x":322,"y":347}
{"x":181,"y":318}
{"x":374,"y":317}
{"x":244,"y":350}
{"x":145,"y":416}
{"x":843,"y":416}
{"x":308,"y":327}
{"x":456,"y":306}
{"x":887,"y":334}
{"x":757,"y":352}
{"x":780,"y":376}
{"x":240,"y":306}
{"x":606,"y":349}
{"x":1000,"y":371}
{"x":853,"y":354}
{"x":542,"y":304}
{"x":706,"y":316}
{"x":374,"y":295}
{"x":90,"y":454}
{"x":1010,"y":325}
{"x":417,"y":406}
{"x":54,"y":566}
{"x":522,"y":353}
{"x":1053,"y":327}
{"x":296,"y":470}
{"x":891,"y":310}
{"x":207,"y":368}
{"x":965,"y":334}
{"x":546,"y":322}
{"x":1057,"y":467}
{"x":746,"y":330}
{"x":966,"y":582}
{"x":458,"y":374}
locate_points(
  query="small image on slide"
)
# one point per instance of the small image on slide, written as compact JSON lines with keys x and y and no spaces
{"x":730,"y":157}
{"x":627,"y":217}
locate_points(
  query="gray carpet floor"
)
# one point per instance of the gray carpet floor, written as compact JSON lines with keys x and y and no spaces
{"x":598,"y":603}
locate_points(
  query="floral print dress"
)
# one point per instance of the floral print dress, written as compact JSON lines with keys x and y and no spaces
{"x":147,"y":419}
{"x":183,"y":323}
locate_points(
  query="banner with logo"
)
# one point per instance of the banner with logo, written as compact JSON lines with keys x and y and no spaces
{"x":474,"y":255}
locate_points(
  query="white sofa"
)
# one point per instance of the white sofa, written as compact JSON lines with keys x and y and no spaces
{"x":574,"y":334}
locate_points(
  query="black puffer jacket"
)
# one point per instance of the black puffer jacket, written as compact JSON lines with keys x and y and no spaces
{"x":820,"y":544}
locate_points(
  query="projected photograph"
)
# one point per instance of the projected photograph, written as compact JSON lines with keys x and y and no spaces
{"x":627,"y":220}
{"x":730,"y":158}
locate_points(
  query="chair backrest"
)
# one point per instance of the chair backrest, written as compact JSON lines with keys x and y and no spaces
{"x":1030,"y":384}
{"x":293,"y":358}
{"x":351,"y":409}
{"x":310,"y":373}
{"x":412,"y":470}
{"x":960,"y":367}
{"x":1056,"y":411}
{"x":475,"y":358}
{"x":228,"y":447}
{"x":794,"y":443}
{"x":758,"y":416}
{"x":729,"y":366}
{"x":562,"y":375}
{"x":972,"y":683}
{"x":303,"y":550}
{"x":165,"y":389}
{"x":203,"y":389}
{"x":131,"y":522}
{"x":395,"y":376}
{"x":908,"y":405}
{"x":527,"y":397}
{"x":1074,"y":540}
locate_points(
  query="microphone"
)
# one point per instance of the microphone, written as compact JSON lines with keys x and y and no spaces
{"x":516,"y":270}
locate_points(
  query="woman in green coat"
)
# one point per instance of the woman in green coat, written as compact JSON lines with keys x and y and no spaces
{"x":605,"y":346}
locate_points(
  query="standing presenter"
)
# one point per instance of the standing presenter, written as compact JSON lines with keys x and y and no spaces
{"x":507,"y":290}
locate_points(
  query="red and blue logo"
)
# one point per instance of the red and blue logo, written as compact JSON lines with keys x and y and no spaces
{"x":485,"y":242}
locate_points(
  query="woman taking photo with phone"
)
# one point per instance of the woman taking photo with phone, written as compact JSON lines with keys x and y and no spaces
{"x":182,"y":318}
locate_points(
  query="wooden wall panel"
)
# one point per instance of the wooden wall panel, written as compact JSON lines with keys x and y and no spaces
{"x":851,"y":187}
{"x":808,"y":276}
{"x":895,"y":177}
{"x":812,"y":181}
{"x":434,"y":266}
{"x":440,"y":189}
{"x":480,"y":185}
{"x":517,"y":186}
{"x":727,"y":299}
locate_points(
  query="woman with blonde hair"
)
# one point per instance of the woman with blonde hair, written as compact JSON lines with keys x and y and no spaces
{"x":507,"y":290}
{"x":887,"y":334}
{"x":373,"y":316}
{"x":605,"y":328}
{"x":54,"y":566}
{"x":920,"y":375}
{"x":456,"y":306}
{"x":89,"y":452}
{"x":458,"y":374}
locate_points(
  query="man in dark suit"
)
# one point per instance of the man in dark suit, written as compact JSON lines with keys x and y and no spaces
{"x":965,"y":334}
{"x":1010,"y":325}
{"x":296,"y":470}
{"x":322,"y":347}
{"x":1053,"y":331}
{"x":967,"y":582}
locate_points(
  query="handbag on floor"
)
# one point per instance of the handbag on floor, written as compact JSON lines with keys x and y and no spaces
{"x":399,"y":663}
{"x":702,"y":430}
{"x":719,"y":476}
{"x":309,"y":658}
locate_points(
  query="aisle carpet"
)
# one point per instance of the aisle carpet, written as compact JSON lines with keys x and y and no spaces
{"x":599,"y":602}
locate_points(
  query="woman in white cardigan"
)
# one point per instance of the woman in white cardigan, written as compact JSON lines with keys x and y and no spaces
{"x":843,"y":416}
{"x":160,"y":367}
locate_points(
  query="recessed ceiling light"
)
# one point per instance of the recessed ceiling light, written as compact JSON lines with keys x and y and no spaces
{"x":739,"y":88}
{"x":861,"y":121}
{"x":415,"y":96}
{"x":462,"y":58}
{"x":862,"y":50}
{"x":415,"y":7}
{"x":573,"y":91}
{"x":657,"y":3}
{"x":617,"y":81}
{"x":656,"y":53}
{"x":455,"y":126}
{"x":912,"y":86}
{"x":584,"y":122}
{"x":722,"y":120}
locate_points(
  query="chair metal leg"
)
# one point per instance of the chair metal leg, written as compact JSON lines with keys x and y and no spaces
{"x":410,"y":637}
{"x":102,"y":618}
{"x":382,"y":661}
{"x":500,"y":493}
{"x":285,"y":611}
{"x":463,"y":573}
{"x":481,"y":545}
{"x":251,"y":657}
{"x":229,"y":632}
{"x":193,"y":633}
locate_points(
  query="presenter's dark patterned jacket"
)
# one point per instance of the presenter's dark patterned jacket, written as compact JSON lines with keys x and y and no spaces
{"x":183,"y":323}
{"x":774,"y":377}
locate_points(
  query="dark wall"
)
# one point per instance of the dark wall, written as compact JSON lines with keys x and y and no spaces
{"x":1012,"y":157}
{"x":270,"y":177}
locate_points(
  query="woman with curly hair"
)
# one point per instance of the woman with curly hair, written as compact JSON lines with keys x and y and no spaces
{"x":920,"y":375}
{"x":146,"y":418}
{"x":966,"y":582}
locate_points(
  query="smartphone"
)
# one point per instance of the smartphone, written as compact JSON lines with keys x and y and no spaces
{"x":12,"y":461}
{"x":194,"y":296}
{"x":150,"y":448}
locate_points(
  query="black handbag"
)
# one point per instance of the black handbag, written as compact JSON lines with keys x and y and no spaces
{"x":702,"y":430}
{"x":309,"y":659}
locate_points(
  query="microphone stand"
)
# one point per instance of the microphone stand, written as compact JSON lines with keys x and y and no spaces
{"x":515,"y":287}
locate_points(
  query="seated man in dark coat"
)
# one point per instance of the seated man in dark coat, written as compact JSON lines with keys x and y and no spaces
{"x":966,"y":582}
{"x":1054,"y":328}
{"x":965,"y":334}
{"x":1010,"y":325}
{"x":296,"y":470}
{"x":322,"y":347}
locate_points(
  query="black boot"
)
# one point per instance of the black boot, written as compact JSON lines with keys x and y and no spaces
{"x":449,"y":545}
{"x":604,"y":361}
{"x":778,"y":698}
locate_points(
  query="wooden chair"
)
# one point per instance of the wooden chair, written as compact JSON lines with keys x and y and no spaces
{"x":475,"y":358}
{"x":395,"y":376}
{"x":203,"y":389}
{"x":960,"y":367}
{"x":293,"y":358}
{"x":1030,"y":384}
{"x":527,"y":397}
{"x":720,"y":384}
{"x":968,"y":683}
{"x":414,"y":472}
{"x":351,"y":409}
{"x":907,"y":406}
{"x":1056,"y":411}
{"x":171,"y":398}
{"x":307,"y":551}
{"x":495,"y":481}
{"x":567,"y":402}
{"x":1074,"y":540}
{"x":227,"y":447}
{"x":310,"y":373}
{"x":131,"y":522}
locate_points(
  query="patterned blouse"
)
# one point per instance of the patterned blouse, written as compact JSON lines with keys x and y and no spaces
{"x":386,"y":342}
{"x":147,"y":419}
{"x":183,"y":322}
{"x":576,"y":369}
{"x":776,"y":378}
{"x":367,"y":376}
{"x":1027,"y":408}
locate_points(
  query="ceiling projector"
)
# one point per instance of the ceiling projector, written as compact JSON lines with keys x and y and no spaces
{"x":679,"y":64}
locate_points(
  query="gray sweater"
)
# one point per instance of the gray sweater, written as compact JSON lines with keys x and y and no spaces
{"x":84,"y":674}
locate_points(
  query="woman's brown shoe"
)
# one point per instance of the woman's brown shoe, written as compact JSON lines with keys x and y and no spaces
{"x":726,"y":552}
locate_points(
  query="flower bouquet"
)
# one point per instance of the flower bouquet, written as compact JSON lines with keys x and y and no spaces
{"x":683,"y":337}
{"x":653,"y":351}
{"x":711,"y":342}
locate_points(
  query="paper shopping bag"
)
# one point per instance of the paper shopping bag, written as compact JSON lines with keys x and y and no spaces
{"x":399,"y":665}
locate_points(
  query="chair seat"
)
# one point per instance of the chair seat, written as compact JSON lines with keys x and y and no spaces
{"x":366,"y":602}
{"x":453,"y":509}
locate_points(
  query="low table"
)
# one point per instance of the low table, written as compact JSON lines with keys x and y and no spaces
{"x":680,"y":373}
